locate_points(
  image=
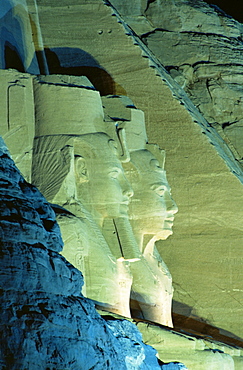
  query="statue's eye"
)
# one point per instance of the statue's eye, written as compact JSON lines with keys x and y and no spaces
{"x":159,"y":189}
{"x":154,"y":164}
{"x":114,"y":174}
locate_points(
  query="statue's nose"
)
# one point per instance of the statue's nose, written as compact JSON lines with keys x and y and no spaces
{"x":171,"y":206}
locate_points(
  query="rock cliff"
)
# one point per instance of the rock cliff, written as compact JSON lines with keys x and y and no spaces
{"x":201,"y":48}
{"x":46,"y":323}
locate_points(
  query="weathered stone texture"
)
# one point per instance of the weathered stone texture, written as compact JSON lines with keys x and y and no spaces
{"x":17,"y":117}
{"x":201,"y":47}
{"x":19,"y":41}
{"x":196,"y":352}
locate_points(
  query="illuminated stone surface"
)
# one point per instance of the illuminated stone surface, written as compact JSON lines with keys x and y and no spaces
{"x":17,"y":117}
{"x":205,"y":228}
{"x":210,"y":71}
{"x":76,"y":165}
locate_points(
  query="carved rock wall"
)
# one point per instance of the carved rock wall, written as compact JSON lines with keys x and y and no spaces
{"x":208,"y":287}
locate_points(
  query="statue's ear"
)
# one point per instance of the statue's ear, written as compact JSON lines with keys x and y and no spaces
{"x":81,"y":169}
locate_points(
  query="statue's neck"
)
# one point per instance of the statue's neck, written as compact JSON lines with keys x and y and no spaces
{"x":144,"y":241}
{"x":120,"y":237}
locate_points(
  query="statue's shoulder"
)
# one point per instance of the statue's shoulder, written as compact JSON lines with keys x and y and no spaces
{"x":71,"y":213}
{"x":77,"y":224}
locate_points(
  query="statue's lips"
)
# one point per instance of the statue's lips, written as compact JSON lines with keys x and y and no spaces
{"x":169,"y":221}
{"x":124,"y":206}
{"x":126,"y":201}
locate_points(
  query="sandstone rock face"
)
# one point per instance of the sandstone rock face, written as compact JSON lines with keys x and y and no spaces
{"x":18,"y":118}
{"x":45,"y":321}
{"x":19,"y":39}
{"x":211,"y":68}
{"x":196,"y":352}
{"x":201,"y":47}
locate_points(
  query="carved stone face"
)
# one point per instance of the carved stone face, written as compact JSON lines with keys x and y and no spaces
{"x":101,"y":182}
{"x":152,"y":208}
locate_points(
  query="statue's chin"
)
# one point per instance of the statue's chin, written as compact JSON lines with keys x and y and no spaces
{"x":164,"y":234}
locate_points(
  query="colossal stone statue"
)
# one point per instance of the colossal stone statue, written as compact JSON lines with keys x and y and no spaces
{"x":151,"y":213}
{"x":76,"y":166}
{"x":152,"y":208}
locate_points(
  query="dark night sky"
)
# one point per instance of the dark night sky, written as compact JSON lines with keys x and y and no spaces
{"x":231,"y":7}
